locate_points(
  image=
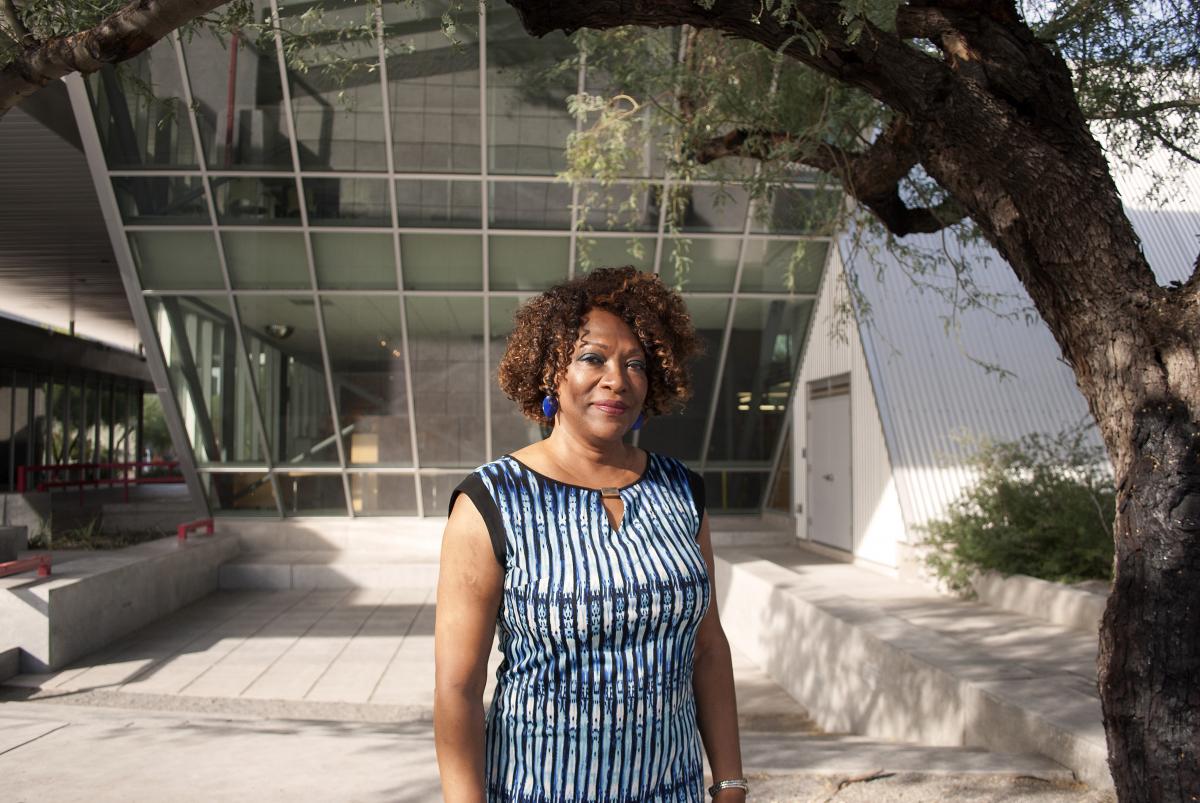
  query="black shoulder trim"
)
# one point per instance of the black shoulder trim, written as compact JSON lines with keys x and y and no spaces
{"x":698,"y":498}
{"x":477,"y":492}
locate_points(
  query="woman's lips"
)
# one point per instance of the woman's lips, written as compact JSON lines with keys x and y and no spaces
{"x":612,"y":409}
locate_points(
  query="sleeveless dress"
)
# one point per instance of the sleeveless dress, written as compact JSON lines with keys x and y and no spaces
{"x":597,"y":629}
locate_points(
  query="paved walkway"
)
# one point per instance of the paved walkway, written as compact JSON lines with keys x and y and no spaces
{"x":326,"y":695}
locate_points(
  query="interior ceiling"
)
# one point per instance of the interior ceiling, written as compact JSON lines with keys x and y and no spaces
{"x":56,"y":261}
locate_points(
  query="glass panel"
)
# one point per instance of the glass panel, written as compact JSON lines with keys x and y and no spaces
{"x":701,"y":265}
{"x":608,"y":252}
{"x":56,"y":408}
{"x":680,"y":434}
{"x":780,"y":497}
{"x":622,"y":207}
{"x":442,"y":261}
{"x":435,"y":493}
{"x":367,"y":356}
{"x":766,"y":342}
{"x":529,"y":205}
{"x":241,"y":494}
{"x":783,"y":266}
{"x":312,"y":494}
{"x":266,"y":260}
{"x":141,"y":114}
{"x":238,"y":96}
{"x":7,"y":409}
{"x":795,"y":210}
{"x":383,"y":494}
{"x":177,"y":200}
{"x":433,"y":86}
{"x":354,"y":261}
{"x":336,"y":95}
{"x":439,"y":204}
{"x":75,"y":433}
{"x":257,"y":201}
{"x":445,"y":338}
{"x":714,"y":208}
{"x":22,"y":426}
{"x":281,"y":336}
{"x":510,"y":428}
{"x":347,"y":202}
{"x":209,"y":381}
{"x":734,"y":491}
{"x":176,"y":260}
{"x":527,"y":263}
{"x":528,"y":123}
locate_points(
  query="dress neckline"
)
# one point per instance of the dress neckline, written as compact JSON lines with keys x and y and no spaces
{"x":540,"y":475}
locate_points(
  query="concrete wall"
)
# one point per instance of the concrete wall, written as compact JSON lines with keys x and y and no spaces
{"x":877,"y":523}
{"x":92,"y":600}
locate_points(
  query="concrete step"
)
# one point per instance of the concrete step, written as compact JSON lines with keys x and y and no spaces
{"x":327,"y":569}
{"x":872,"y":655}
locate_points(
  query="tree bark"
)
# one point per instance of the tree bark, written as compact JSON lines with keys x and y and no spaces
{"x":995,"y":122}
{"x":121,"y":36}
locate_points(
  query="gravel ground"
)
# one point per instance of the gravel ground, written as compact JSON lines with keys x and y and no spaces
{"x":916,"y":788}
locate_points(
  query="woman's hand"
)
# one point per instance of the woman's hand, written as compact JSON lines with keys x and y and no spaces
{"x":470,"y":582}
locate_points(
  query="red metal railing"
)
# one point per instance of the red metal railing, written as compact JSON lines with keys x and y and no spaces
{"x":39,"y":562}
{"x":120,"y":474}
{"x":183,"y":529}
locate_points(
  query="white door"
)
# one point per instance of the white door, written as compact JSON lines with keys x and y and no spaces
{"x":828,"y":472}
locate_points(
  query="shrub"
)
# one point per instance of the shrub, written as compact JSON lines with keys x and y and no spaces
{"x":1042,"y":506}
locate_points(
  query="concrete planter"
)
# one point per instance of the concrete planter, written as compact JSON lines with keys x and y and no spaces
{"x":1063,"y":605}
{"x":96,"y":597}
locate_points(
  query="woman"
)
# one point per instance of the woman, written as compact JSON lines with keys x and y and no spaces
{"x":595,"y":559}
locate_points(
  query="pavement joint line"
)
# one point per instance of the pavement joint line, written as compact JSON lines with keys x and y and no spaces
{"x":34,"y":739}
{"x":411,"y":624}
{"x":244,"y":639}
{"x":341,"y":651}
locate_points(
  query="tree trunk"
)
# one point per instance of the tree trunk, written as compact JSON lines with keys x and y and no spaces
{"x":995,"y":122}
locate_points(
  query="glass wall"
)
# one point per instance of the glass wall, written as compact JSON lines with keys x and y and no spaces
{"x":333,"y":264}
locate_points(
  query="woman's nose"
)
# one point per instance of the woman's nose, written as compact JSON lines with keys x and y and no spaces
{"x":614,"y":377}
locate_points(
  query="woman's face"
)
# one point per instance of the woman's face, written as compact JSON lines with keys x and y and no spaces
{"x":605,"y":383}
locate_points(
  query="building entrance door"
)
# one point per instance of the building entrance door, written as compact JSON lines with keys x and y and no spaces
{"x":828,"y":472}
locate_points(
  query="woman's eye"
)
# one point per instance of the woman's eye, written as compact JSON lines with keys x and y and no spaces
{"x":638,"y":365}
{"x":592,"y":358}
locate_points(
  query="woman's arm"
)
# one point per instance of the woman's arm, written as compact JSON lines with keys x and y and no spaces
{"x":712,"y":681}
{"x":470,"y":582}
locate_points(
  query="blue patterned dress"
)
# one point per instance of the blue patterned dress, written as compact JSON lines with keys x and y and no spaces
{"x":597,"y":626}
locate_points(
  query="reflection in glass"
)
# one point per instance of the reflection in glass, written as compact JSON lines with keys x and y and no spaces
{"x":238,"y":96}
{"x":336,"y":95}
{"x":366,"y":353}
{"x":209,"y":380}
{"x":701,"y":265}
{"x":383,"y":494}
{"x":176,"y":260}
{"x":796,"y":210}
{"x":680,"y":434}
{"x":243,"y":493}
{"x":780,"y":496}
{"x":529,"y":205}
{"x":307,"y":494}
{"x":442,"y":261}
{"x":783,"y":266}
{"x":347,"y":202}
{"x":708,"y":208}
{"x":177,"y":200}
{"x":433,"y":86}
{"x":510,"y":428}
{"x":438,"y":204}
{"x":281,"y":337}
{"x":354,"y":261}
{"x":141,"y":113}
{"x":528,"y":122}
{"x":527,"y":263}
{"x":764,"y":348}
{"x":734,"y":491}
{"x":608,"y":252}
{"x":435,"y":493}
{"x":621,"y":207}
{"x":266,"y":260}
{"x":446,"y":348}
{"x":257,"y":201}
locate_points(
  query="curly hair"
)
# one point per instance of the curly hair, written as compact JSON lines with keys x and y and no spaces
{"x":547,"y":327}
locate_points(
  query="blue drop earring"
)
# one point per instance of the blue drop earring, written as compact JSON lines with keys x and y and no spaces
{"x":549,"y":407}
{"x":641,"y":419}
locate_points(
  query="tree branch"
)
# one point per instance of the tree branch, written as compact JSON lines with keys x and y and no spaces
{"x":20,"y":33}
{"x":872,"y":177}
{"x":1148,"y":110}
{"x":122,"y":35}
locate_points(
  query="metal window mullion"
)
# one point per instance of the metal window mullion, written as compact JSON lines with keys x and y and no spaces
{"x":485,"y":224}
{"x":235,"y":314}
{"x":302,"y":203}
{"x":396,"y":255}
{"x":573,"y":242}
